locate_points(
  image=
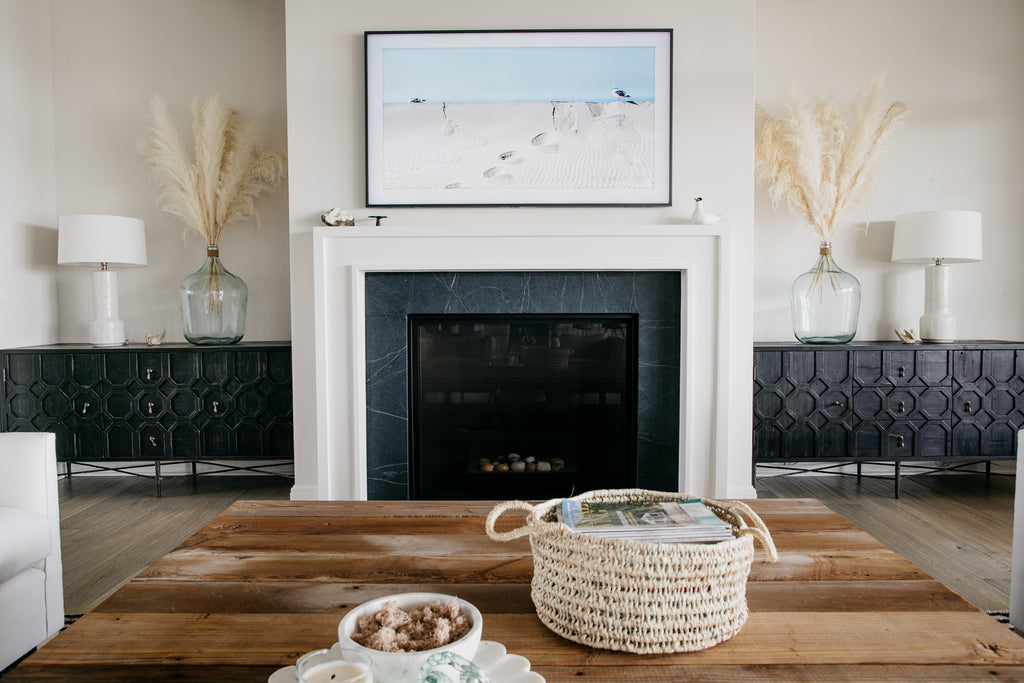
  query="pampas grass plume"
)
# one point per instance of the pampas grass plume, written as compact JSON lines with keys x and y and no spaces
{"x":219,"y":182}
{"x":820,"y":164}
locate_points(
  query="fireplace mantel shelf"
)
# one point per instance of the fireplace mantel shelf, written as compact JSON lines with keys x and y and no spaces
{"x":521,"y":231}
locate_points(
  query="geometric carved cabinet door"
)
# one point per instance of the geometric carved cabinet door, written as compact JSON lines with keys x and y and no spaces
{"x":902,"y":403}
{"x":802,"y":405}
{"x":988,"y":404}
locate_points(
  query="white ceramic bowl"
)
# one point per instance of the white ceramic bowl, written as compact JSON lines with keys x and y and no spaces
{"x":405,"y":666}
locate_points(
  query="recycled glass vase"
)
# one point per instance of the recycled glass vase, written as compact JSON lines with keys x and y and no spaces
{"x":825,"y":302}
{"x":213,"y":303}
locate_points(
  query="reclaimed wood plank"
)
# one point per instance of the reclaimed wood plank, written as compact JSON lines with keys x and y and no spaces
{"x":366,"y":568}
{"x":769,"y":638}
{"x":385,"y":538}
{"x":376,"y":541}
{"x":304,"y":597}
{"x":853,"y":596}
{"x":853,"y":565}
{"x":289,"y":526}
{"x":437,"y":509}
{"x":650,"y":671}
{"x":133,"y":673}
{"x":654,"y":672}
{"x":299,"y":596}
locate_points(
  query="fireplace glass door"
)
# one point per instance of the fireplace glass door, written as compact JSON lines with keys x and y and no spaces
{"x":521,"y":406}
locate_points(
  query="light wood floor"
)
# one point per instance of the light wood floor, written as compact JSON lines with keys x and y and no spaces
{"x":113,"y":527}
{"x":956,"y":527}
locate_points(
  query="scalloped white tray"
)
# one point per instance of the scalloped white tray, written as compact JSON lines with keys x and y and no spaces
{"x":491,"y":657}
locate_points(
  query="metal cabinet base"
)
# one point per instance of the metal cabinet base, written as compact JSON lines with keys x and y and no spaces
{"x":155,"y":404}
{"x":886,"y":402}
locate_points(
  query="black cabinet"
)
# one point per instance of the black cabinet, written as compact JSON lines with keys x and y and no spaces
{"x":151,"y":403}
{"x":879,"y":401}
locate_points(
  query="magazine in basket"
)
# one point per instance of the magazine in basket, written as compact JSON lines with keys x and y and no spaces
{"x":686,"y":521}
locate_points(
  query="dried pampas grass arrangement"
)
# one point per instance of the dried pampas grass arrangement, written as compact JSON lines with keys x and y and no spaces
{"x":819,"y":163}
{"x":219,"y":182}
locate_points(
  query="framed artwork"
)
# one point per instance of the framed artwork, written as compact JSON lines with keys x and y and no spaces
{"x":519,"y":118}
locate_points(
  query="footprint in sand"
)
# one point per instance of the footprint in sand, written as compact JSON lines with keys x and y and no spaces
{"x":511,"y":157}
{"x":495,"y":177}
{"x":543,"y":143}
{"x":563,"y":118}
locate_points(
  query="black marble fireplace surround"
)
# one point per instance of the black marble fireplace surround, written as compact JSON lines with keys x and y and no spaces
{"x":391,"y":297}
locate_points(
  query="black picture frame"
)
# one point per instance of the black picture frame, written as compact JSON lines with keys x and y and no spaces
{"x":519,"y":118}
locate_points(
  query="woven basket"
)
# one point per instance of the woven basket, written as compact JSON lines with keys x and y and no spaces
{"x":636,"y":596}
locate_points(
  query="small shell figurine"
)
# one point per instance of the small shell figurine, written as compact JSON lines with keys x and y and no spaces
{"x":154,"y":339}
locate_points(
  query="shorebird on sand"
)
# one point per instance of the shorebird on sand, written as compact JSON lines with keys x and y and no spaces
{"x":622,"y":95}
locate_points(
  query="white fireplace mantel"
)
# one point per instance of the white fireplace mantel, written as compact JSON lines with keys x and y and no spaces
{"x":714,"y":450}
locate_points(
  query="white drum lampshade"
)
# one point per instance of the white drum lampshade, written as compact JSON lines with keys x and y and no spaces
{"x":937,"y":238}
{"x":102,"y":242}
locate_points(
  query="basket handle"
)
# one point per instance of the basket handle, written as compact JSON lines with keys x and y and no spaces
{"x":519,"y":532}
{"x":758,"y":530}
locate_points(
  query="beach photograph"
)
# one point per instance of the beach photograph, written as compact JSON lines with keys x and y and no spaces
{"x":491,"y":123}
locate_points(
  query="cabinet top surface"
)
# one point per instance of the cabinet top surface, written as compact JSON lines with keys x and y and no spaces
{"x":171,"y":346}
{"x":971,"y":343}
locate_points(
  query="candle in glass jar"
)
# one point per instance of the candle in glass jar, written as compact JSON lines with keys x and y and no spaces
{"x":338,"y":672}
{"x":334,"y":666}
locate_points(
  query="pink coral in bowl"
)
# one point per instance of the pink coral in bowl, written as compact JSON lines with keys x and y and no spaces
{"x":405,"y":666}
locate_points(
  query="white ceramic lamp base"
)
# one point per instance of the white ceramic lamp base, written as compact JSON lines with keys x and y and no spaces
{"x":937,"y":324}
{"x":106,"y":329}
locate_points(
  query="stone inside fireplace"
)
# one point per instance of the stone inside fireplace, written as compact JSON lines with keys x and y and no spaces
{"x":521,"y":405}
{"x":648,"y":302}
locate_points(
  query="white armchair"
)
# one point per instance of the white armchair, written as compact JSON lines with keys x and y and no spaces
{"x":1017,"y":558}
{"x":31,"y":581}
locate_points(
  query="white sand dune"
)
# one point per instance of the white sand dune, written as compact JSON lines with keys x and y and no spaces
{"x":518,"y":145}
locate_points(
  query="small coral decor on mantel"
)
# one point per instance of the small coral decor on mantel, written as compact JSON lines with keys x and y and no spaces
{"x":209,"y":190}
{"x":821,"y":165}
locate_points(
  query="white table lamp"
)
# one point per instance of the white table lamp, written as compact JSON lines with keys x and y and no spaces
{"x":937,"y":238}
{"x":106,"y":242}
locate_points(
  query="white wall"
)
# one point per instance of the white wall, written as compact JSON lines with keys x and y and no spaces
{"x":957,"y":64}
{"x":960,"y":66}
{"x":712,"y":136}
{"x":109,"y":58}
{"x":27,"y":194}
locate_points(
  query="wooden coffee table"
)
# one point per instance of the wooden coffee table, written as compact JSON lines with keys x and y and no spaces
{"x":267,"y":581}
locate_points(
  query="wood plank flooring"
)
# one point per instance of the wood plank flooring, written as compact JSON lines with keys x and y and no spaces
{"x":113,"y":527}
{"x":956,"y":527}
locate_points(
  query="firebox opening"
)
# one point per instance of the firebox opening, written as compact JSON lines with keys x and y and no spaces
{"x":522,"y":406}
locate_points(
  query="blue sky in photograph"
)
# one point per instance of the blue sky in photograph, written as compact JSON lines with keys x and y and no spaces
{"x":516,"y":74}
